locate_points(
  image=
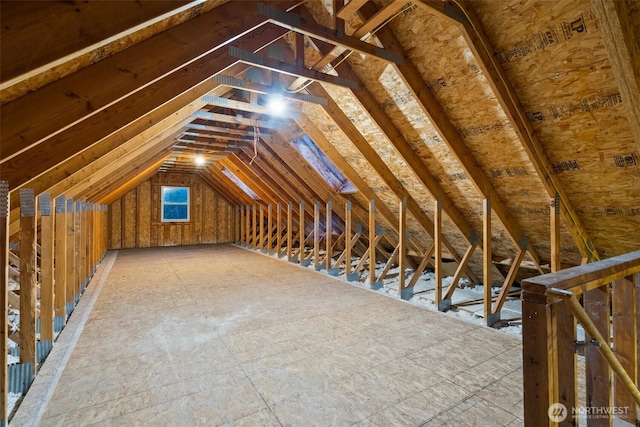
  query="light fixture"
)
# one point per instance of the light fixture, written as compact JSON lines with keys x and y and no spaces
{"x":277,"y":104}
{"x":199,"y":159}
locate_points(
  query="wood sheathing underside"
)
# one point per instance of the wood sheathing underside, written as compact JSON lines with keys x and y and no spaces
{"x":513,"y":100}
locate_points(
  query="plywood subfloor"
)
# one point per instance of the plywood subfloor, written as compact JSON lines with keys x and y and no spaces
{"x":219,"y":335}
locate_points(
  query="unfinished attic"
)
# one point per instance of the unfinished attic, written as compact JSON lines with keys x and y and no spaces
{"x":320,"y":212}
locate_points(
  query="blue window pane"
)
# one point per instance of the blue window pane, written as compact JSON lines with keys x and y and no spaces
{"x":175,"y":212}
{"x":176,"y":195}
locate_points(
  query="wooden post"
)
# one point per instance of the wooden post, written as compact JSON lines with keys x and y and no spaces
{"x":80,"y":267}
{"x":372,"y":243}
{"x":540,"y":361}
{"x":328,"y":231}
{"x":71,"y":255}
{"x":239,"y":224}
{"x":4,"y":297}
{"x":402,"y":245}
{"x":248,"y":226}
{"x":47,"y":225}
{"x":347,"y":239}
{"x":28,"y":285}
{"x":93,"y":234}
{"x":598,"y":373}
{"x":242,"y":229}
{"x":625,"y":341}
{"x":316,"y":236}
{"x":279,"y":230}
{"x":437,"y":242}
{"x":487,"y":261}
{"x":60,"y":290}
{"x":301,"y":233}
{"x":88,"y":239}
{"x":289,"y":231}
{"x":255,"y":227}
{"x":555,"y":234}
{"x":269,"y":228}
{"x":261,"y":233}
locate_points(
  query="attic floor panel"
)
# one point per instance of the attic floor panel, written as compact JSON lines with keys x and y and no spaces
{"x":219,"y":335}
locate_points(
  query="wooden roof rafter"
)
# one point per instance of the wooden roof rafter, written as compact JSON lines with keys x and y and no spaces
{"x":273,"y":178}
{"x":103,"y":179}
{"x":462,"y":14}
{"x":363,"y":188}
{"x":141,"y":175}
{"x":286,"y":165}
{"x":250,"y":178}
{"x":53,"y":148}
{"x":223,"y":186}
{"x":309,"y":28}
{"x":354,"y":135}
{"x":67,"y":38}
{"x":434,"y":111}
{"x":396,"y":138}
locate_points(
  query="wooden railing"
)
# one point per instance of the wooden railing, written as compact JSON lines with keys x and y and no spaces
{"x":604,"y":298}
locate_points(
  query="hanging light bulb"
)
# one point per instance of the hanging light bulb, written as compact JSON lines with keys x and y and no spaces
{"x":199,"y":159}
{"x":277,"y":104}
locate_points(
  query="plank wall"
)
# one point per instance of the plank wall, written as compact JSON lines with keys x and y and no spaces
{"x":134,"y":219}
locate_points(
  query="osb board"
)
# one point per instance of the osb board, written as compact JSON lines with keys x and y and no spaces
{"x":290,"y":132}
{"x":450,"y":71}
{"x":392,"y":159}
{"x":359,"y":163}
{"x":385,"y":85}
{"x":535,"y":40}
{"x":135,"y":218}
{"x":104,"y":51}
{"x":554,"y":55}
{"x":417,"y":130}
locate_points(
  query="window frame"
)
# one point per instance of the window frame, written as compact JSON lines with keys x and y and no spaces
{"x":163,"y":203}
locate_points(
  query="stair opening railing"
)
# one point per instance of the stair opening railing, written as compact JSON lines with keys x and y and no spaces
{"x":603,"y":298}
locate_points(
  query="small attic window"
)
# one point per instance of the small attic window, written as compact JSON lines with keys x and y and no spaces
{"x":175,"y":204}
{"x":321,"y":163}
{"x":237,"y":181}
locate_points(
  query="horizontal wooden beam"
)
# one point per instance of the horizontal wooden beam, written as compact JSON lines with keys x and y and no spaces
{"x":44,"y":156}
{"x":254,"y":87}
{"x":287,"y":68}
{"x":213,"y":118}
{"x":443,"y":125}
{"x":296,"y":23}
{"x":34,"y":117}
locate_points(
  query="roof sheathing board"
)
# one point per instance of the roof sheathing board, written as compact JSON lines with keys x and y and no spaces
{"x":367,"y":71}
{"x":443,"y":57}
{"x":351,"y":154}
{"x":370,"y":71}
{"x":555,"y":58}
